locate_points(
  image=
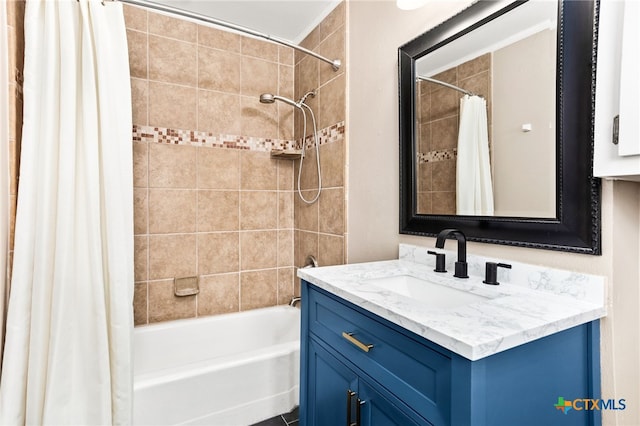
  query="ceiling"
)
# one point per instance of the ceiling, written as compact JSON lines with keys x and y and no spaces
{"x":291,"y":20}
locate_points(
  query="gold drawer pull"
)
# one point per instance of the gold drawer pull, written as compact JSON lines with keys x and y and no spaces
{"x":358,"y":343}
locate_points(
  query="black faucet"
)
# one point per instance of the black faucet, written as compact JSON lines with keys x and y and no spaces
{"x":461,"y":264}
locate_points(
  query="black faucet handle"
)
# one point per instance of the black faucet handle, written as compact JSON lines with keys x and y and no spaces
{"x":461,"y":270}
{"x":491,"y":272}
{"x":440,"y":261}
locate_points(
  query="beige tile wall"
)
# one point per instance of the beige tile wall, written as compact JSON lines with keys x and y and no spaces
{"x":438,"y":124}
{"x":15,"y":30}
{"x":321,"y":227}
{"x":229,"y":216}
{"x":224,"y":215}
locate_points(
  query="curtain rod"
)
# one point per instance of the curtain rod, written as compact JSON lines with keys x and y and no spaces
{"x":335,"y":64}
{"x":442,"y":83}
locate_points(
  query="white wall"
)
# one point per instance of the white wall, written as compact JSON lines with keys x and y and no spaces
{"x":375,"y":30}
{"x":621,"y":344}
{"x":524,"y":159}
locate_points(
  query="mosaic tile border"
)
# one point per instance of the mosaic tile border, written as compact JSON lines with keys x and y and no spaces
{"x":434,"y":156}
{"x":164,"y":135}
{"x":193,"y":138}
{"x":327,"y":135}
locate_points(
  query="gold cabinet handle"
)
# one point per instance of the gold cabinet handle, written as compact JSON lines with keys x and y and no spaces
{"x":358,"y":343}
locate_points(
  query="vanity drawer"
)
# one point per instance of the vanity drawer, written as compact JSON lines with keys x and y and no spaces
{"x":416,"y":373}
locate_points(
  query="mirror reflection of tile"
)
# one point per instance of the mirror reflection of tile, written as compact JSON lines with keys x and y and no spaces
{"x":439,"y":111}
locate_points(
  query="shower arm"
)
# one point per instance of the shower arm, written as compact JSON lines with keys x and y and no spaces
{"x":335,"y":63}
{"x":442,"y":83}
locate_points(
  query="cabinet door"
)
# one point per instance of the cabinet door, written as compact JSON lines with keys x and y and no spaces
{"x":329,"y":380}
{"x":376,"y":410}
{"x":629,"y":84}
{"x":607,"y":160}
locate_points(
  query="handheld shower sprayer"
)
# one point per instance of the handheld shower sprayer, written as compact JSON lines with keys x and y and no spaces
{"x":269,"y":98}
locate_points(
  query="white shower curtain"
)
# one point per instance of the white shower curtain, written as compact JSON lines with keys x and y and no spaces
{"x":474,"y":190}
{"x":69,"y":328}
{"x":4,"y":164}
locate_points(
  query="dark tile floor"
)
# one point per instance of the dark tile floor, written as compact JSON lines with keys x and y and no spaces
{"x":288,"y":419}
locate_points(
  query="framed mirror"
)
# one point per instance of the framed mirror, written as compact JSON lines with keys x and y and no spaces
{"x":496,"y":126}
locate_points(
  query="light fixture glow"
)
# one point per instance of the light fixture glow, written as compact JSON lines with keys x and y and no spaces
{"x":410,"y":4}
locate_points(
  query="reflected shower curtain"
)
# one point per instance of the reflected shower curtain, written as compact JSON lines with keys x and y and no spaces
{"x":474,"y":190}
{"x":68,"y":345}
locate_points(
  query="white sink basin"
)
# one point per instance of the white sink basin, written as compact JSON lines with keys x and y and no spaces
{"x":432,"y":295}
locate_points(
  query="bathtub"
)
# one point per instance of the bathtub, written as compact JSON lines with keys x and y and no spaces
{"x":232,"y":369}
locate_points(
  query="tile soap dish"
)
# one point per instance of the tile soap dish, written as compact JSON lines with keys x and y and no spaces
{"x":186,"y":286}
{"x":286,"y":154}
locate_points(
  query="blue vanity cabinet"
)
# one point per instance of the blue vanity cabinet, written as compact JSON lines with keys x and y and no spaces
{"x":342,"y":397}
{"x":356,"y":365}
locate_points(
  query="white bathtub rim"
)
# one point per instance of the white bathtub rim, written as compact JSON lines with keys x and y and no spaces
{"x":177,"y":343}
{"x":167,"y":325}
{"x":160,"y":376}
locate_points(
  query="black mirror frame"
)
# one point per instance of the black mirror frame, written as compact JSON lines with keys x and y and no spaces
{"x":576,"y":227}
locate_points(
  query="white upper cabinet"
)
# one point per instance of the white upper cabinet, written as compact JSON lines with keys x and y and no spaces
{"x":618,"y":91}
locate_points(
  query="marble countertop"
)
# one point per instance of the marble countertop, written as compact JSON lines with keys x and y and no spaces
{"x":530,"y":303}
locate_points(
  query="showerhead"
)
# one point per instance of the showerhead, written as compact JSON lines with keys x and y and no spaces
{"x":269,"y":98}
